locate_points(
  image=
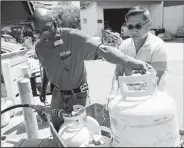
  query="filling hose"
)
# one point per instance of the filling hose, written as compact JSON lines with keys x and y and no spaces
{"x":15,"y":106}
{"x":38,"y":108}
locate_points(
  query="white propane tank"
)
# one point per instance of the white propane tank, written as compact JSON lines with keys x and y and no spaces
{"x":77,"y":130}
{"x":143,"y":117}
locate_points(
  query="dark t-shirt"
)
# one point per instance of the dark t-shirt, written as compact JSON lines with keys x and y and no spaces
{"x":64,"y":63}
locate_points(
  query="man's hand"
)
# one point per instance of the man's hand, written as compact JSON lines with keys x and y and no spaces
{"x":41,"y":111}
{"x":42,"y":117}
{"x":113,"y":55}
{"x":134,"y":64}
{"x":43,"y":96}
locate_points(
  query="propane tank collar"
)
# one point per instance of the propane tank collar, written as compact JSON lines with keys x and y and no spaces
{"x":96,"y":141}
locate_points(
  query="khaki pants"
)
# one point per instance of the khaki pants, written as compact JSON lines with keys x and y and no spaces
{"x":66,"y":103}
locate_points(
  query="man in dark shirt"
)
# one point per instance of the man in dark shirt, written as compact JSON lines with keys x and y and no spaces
{"x":61,"y":52}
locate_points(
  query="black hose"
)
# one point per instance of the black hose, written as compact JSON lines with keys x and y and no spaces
{"x":15,"y":106}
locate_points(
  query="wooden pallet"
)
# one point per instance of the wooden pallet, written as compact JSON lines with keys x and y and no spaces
{"x":36,"y":143}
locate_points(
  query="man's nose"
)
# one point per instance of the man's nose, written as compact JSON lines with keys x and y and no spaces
{"x":134,"y":31}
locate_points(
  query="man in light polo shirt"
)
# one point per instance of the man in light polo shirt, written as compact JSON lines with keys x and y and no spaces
{"x":142,"y":46}
{"x":61,"y":52}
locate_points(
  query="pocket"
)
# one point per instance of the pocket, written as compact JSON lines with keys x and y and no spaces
{"x":56,"y":95}
{"x":82,"y":96}
{"x":56,"y":101}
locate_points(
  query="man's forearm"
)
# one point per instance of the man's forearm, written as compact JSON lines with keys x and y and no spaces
{"x":44,"y":81}
{"x":159,"y":75}
{"x":113,"y":55}
{"x":115,"y":86}
{"x":160,"y":67}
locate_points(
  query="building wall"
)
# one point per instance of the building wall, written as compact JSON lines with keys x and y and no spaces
{"x":155,"y":10}
{"x":112,"y":5}
{"x":121,"y":4}
{"x":89,"y":19}
{"x":173,"y":17}
{"x":100,"y":16}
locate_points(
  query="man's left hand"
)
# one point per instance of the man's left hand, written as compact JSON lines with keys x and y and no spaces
{"x":134,"y":64}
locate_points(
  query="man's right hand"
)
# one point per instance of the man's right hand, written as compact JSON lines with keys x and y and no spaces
{"x":43,"y":96}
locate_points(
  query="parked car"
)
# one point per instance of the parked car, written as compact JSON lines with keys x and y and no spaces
{"x":167,"y":36}
{"x":180,"y":31}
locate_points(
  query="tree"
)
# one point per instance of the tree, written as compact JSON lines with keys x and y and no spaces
{"x":70,"y":17}
{"x":85,"y":4}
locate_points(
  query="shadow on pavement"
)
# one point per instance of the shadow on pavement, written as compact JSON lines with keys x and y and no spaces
{"x":20,"y":128}
{"x":11,"y":142}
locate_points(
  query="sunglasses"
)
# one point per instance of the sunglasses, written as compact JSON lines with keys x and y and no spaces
{"x":137,"y":26}
{"x":44,"y":29}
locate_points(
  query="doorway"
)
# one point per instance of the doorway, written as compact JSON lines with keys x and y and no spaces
{"x":114,"y":19}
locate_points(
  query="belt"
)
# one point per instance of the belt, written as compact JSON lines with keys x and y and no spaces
{"x":81,"y":88}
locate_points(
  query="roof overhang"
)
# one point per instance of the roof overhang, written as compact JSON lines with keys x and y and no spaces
{"x":129,"y":1}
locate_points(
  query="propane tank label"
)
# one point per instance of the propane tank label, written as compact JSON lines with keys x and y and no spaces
{"x":154,"y":131}
{"x":156,"y":122}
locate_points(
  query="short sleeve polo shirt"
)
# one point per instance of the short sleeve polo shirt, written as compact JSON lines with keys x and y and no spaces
{"x":64,"y":63}
{"x":153,"y":52}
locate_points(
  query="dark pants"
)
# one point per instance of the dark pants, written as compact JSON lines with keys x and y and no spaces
{"x":66,"y":102}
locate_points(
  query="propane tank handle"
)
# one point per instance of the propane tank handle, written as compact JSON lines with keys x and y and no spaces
{"x":149,"y":80}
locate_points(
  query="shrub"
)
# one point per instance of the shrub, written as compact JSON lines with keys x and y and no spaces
{"x":69,"y":17}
